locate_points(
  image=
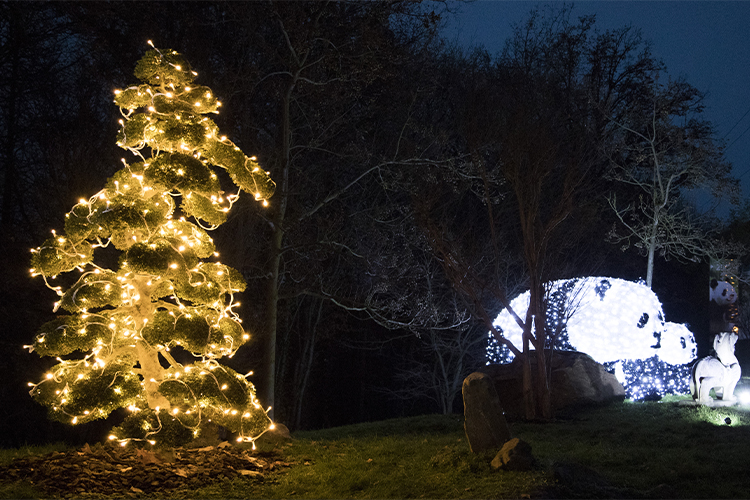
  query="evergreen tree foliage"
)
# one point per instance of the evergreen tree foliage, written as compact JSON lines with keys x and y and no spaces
{"x":168,"y":290}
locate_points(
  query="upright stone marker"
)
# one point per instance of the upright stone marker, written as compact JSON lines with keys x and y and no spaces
{"x":484,"y":423}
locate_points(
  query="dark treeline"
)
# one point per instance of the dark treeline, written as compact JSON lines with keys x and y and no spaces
{"x":401,"y":162}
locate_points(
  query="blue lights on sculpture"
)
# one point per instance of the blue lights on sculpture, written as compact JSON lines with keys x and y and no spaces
{"x":618,"y":323}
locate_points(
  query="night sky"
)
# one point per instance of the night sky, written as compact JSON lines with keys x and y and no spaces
{"x":707,"y":43}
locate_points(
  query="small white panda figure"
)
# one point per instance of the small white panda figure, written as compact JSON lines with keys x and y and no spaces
{"x":724,"y":310}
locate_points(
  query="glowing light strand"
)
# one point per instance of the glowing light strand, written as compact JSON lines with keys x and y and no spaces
{"x":135,"y":209}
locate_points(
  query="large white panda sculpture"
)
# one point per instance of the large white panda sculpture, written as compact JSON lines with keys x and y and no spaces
{"x":609,"y":319}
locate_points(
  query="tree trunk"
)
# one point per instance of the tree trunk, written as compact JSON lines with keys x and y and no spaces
{"x":273,"y":318}
{"x":152,"y":373}
{"x":536,"y":317}
{"x":527,"y":381}
{"x":305,"y":367}
{"x":305,"y":363}
{"x":651,"y":252}
{"x":277,"y":240}
{"x":544,"y":403}
{"x":441,"y":381}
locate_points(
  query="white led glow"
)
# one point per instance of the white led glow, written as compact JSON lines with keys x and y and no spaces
{"x":619,"y":323}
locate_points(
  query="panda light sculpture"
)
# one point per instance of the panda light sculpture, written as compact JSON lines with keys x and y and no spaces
{"x":723,"y":307}
{"x":617,"y":322}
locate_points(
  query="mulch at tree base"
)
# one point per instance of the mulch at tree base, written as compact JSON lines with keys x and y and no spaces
{"x":109,"y":469}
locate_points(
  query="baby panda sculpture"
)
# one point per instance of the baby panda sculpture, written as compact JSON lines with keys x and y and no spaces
{"x":678,"y":346}
{"x":724,"y":309}
{"x":720,"y":372}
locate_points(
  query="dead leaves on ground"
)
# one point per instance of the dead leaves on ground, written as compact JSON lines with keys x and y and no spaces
{"x":113,"y":470}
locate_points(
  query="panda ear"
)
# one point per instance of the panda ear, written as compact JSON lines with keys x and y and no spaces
{"x":714,"y":283}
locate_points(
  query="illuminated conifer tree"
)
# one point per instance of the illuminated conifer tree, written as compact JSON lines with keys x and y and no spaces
{"x":168,"y":289}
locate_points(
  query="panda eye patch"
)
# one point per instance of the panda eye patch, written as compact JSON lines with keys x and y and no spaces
{"x":642,"y":322}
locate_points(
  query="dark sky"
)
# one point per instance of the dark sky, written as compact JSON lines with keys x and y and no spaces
{"x":706,"y":42}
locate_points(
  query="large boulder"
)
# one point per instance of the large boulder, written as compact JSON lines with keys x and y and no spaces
{"x":576,"y":379}
{"x":484,"y":423}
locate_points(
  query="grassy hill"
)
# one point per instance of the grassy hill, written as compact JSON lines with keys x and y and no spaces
{"x":628,"y":450}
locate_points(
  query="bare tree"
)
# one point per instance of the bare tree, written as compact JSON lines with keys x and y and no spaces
{"x":313,"y":117}
{"x":451,"y":344}
{"x":661,"y":152}
{"x":531,"y":122}
{"x":448,"y":357}
{"x":405,"y":290}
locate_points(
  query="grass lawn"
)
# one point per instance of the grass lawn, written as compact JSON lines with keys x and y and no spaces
{"x":628,"y":450}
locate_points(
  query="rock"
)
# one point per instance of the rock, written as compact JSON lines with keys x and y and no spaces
{"x":282,"y":431}
{"x":279,"y":434}
{"x":514,"y":455}
{"x":576,"y":380}
{"x":484,"y":423}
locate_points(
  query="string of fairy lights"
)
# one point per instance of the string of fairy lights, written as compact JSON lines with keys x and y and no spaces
{"x":113,"y":349}
{"x":619,"y":324}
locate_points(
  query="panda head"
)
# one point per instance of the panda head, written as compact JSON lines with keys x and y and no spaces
{"x":678,"y":345}
{"x":722,"y":293}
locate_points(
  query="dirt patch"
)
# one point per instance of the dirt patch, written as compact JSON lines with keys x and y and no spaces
{"x":103,"y":470}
